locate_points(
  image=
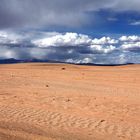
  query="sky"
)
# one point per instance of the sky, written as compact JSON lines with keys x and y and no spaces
{"x":74,"y":31}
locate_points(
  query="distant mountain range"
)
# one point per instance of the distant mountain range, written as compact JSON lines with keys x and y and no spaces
{"x":9,"y":61}
{"x":92,"y":64}
{"x":12,"y":61}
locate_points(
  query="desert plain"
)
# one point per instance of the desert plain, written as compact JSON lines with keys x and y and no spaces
{"x":42,"y":101}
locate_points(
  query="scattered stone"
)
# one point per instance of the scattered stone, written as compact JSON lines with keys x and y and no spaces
{"x":102,"y":121}
{"x":68,"y":100}
{"x":63,"y":68}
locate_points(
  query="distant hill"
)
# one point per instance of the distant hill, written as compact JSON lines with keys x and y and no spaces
{"x":12,"y":61}
{"x":9,"y":61}
{"x":93,"y":64}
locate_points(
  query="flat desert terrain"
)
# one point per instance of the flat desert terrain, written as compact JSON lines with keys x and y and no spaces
{"x":41,"y":101}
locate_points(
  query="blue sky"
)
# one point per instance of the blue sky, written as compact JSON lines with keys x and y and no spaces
{"x":82,"y":31}
{"x":108,"y":23}
{"x":118,"y":23}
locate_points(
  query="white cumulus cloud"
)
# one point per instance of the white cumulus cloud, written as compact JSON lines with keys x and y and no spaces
{"x":133,"y":45}
{"x":67,"y":39}
{"x":104,"y":40}
{"x":132,"y":38}
{"x":69,"y":47}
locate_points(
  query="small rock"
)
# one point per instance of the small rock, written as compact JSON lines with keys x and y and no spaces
{"x":12,"y":75}
{"x":102,"y":120}
{"x":68,"y":100}
{"x":63,"y":68}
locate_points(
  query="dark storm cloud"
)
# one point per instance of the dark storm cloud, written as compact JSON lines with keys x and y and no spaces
{"x":36,"y":13}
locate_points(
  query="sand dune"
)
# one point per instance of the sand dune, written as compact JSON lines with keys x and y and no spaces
{"x":67,"y":102}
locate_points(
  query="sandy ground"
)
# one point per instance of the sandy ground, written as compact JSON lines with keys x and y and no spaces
{"x":69,"y":102}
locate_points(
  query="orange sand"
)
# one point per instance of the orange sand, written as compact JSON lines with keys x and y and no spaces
{"x":69,"y":102}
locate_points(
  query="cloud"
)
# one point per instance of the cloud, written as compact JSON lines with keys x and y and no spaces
{"x":6,"y":52}
{"x":5,"y":38}
{"x":133,"y":46}
{"x":132,"y":38}
{"x":71,"y":13}
{"x":69,"y":47}
{"x":131,"y":43}
{"x":104,"y":40}
{"x":68,"y":39}
{"x":135,"y":23}
{"x":72,"y":39}
{"x":101,"y":45}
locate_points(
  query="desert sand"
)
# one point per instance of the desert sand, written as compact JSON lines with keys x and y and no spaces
{"x":41,"y":101}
